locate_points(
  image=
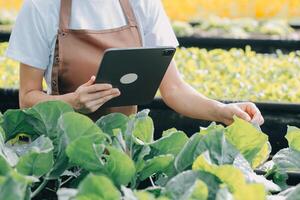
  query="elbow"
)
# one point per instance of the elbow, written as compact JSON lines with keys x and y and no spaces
{"x":23,"y":100}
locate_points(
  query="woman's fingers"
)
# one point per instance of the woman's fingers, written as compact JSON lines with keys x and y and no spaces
{"x":254,"y":112}
{"x":98,"y":87}
{"x":96,"y":104}
{"x":242,"y":114}
{"x":98,"y":95}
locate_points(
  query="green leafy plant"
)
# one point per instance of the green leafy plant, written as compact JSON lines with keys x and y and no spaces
{"x":116,"y":156}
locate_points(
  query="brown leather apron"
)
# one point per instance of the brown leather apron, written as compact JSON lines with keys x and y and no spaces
{"x":78,"y":53}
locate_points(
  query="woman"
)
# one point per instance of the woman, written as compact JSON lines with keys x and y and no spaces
{"x":64,"y":40}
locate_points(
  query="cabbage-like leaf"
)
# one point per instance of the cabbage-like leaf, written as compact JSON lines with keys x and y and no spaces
{"x":97,"y":187}
{"x":143,"y":127}
{"x":82,"y":152}
{"x":118,"y":166}
{"x":169,"y":144}
{"x":251,"y":177}
{"x":71,"y":126}
{"x":14,"y":186}
{"x":248,"y":140}
{"x":185,"y":158}
{"x":233,"y":178}
{"x":109,"y":123}
{"x":15,"y":122}
{"x":183,"y":185}
{"x":287,"y":160}
{"x":211,"y":139}
{"x":293,"y":137}
{"x":38,"y":159}
{"x":155,"y":165}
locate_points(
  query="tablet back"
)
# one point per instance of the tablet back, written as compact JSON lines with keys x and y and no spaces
{"x":136,"y":72}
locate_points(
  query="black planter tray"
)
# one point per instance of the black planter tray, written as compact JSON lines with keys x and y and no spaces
{"x":258,"y":45}
{"x":277,"y":117}
{"x":5,"y":32}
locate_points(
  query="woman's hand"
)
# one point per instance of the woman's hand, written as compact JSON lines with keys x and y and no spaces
{"x":89,"y":97}
{"x":247,"y":111}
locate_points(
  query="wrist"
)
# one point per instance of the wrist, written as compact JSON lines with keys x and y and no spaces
{"x":217,"y":111}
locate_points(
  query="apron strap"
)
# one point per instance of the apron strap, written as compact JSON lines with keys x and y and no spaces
{"x":128,"y":12}
{"x":65,"y":14}
{"x":66,"y":10}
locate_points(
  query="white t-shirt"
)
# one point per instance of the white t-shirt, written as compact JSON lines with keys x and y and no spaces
{"x":32,"y":41}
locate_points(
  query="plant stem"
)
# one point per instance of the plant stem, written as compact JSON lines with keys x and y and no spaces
{"x":61,"y":184}
{"x":39,"y":189}
{"x":152,"y":182}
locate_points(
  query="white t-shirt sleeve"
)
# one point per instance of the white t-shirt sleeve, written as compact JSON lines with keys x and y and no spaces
{"x":158,"y":30}
{"x":28,"y":42}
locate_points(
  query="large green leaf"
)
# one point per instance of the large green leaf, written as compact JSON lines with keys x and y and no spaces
{"x":118,"y":166}
{"x":185,"y":158}
{"x":44,"y":116}
{"x":15,"y":122}
{"x":71,"y":126}
{"x":211,"y":139}
{"x":248,"y":140}
{"x":113,"y":121}
{"x":293,"y":137}
{"x":170,"y":144}
{"x":5,"y":168}
{"x":82,"y":152}
{"x":143,"y":127}
{"x":97,"y":187}
{"x":155,"y":165}
{"x":199,"y":191}
{"x":184,"y":185}
{"x":251,"y":177}
{"x":14,"y":186}
{"x":214,"y":141}
{"x":41,"y":119}
{"x":38,"y":159}
{"x":232,"y":177}
{"x":287,"y":160}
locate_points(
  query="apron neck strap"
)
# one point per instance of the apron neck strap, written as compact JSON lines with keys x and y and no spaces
{"x":65,"y":14}
{"x":128,"y":12}
{"x":66,"y":11}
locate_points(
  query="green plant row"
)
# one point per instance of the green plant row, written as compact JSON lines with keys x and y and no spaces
{"x":111,"y":158}
{"x":240,"y":28}
{"x":236,"y":74}
{"x":240,"y":74}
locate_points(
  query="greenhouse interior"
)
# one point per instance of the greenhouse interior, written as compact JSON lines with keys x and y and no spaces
{"x":149,"y":100}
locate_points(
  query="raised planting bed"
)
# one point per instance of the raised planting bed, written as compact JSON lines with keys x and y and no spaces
{"x":258,"y":45}
{"x":50,"y":151}
{"x":277,"y":117}
{"x":5,"y":31}
{"x":263,"y":36}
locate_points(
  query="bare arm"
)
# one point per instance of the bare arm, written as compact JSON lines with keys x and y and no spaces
{"x":87,"y":98}
{"x":185,"y":100}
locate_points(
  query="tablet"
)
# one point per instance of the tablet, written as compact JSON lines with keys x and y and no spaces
{"x":136,"y":72}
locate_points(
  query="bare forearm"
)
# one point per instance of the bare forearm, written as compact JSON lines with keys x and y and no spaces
{"x":187,"y":101}
{"x":29,"y":99}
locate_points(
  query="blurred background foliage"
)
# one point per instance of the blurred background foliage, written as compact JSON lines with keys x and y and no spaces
{"x":191,"y":9}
